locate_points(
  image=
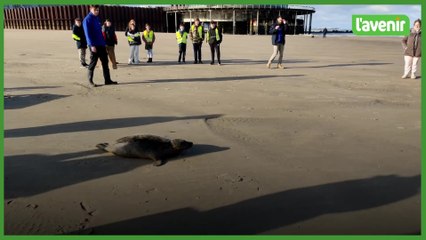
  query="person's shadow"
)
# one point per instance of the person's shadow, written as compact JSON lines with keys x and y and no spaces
{"x":27,"y":100}
{"x":272,"y":211}
{"x":101,"y":124}
{"x":31,"y":174}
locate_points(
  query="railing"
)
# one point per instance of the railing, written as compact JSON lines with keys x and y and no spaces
{"x":62,"y":17}
{"x":232,"y":6}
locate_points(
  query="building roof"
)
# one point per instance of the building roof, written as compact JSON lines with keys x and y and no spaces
{"x":184,"y":8}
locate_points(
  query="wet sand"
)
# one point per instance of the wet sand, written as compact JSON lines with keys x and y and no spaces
{"x":329,"y":145}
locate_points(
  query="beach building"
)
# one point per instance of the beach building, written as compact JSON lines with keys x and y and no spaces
{"x":242,"y":19}
{"x":233,"y":19}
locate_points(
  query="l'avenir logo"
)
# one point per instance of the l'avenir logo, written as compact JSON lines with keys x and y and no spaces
{"x":381,"y":25}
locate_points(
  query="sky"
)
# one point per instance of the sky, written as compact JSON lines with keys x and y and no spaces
{"x":340,"y":16}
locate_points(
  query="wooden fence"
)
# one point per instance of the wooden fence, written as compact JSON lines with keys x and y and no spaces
{"x":62,"y":17}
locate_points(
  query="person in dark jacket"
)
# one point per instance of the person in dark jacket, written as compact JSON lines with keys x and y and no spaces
{"x":196,"y":34}
{"x":214,"y":39}
{"x":111,"y":40}
{"x":412,"y":50}
{"x":134,"y":39}
{"x":324,"y":32}
{"x":278,"y":40}
{"x":80,"y":39}
{"x":96,"y":42}
{"x":131,"y":22}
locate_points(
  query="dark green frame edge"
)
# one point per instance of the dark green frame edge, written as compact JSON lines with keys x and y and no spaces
{"x":234,"y":237}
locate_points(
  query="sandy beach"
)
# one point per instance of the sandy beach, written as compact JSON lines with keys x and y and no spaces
{"x":328,"y":145}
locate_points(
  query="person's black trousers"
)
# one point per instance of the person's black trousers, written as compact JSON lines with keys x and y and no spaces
{"x":215,"y":47}
{"x":182,"y":51}
{"x":197,"y":52}
{"x":101,"y":54}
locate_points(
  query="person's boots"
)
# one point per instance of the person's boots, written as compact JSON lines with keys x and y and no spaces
{"x":90,"y":78}
{"x":179,"y":58}
{"x":150,"y":60}
{"x":107,"y":77}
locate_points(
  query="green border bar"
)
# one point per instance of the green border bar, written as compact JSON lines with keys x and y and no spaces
{"x":234,"y":237}
{"x":2,"y":123}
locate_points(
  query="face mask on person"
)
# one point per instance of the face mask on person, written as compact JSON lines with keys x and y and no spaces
{"x":181,"y":29}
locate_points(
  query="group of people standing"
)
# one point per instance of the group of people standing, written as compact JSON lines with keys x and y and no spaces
{"x":197,"y":35}
{"x":135,"y":38}
{"x":101,"y":39}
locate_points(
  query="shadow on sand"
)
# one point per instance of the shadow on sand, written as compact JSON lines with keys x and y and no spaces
{"x":31,"y":174}
{"x":95,"y":125}
{"x":189,"y":61}
{"x":29,"y":88}
{"x":28,"y":100}
{"x":257,"y":215}
{"x":342,"y":65}
{"x":213,"y":79}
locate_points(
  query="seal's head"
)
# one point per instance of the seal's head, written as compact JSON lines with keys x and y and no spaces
{"x":180,"y":144}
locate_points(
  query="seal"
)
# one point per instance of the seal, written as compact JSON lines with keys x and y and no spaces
{"x":151,"y":147}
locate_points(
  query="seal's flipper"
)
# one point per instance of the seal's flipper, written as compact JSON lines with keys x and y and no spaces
{"x":103,"y":146}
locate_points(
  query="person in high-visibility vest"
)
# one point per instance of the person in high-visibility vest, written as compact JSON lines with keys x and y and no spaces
{"x":197,"y":38}
{"x":214,"y":38}
{"x":132,"y":21}
{"x":134,"y":39}
{"x":149,"y":38}
{"x":80,"y":39}
{"x":181,"y":37}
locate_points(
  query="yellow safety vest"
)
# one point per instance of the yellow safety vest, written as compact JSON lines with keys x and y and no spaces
{"x":75,"y":37}
{"x":217,"y":35}
{"x":131,"y":38}
{"x":149,"y":36}
{"x":181,"y":38}
{"x":200,"y":30}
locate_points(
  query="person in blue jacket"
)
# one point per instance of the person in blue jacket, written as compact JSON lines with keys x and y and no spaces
{"x":97,"y":45}
{"x":278,"y":41}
